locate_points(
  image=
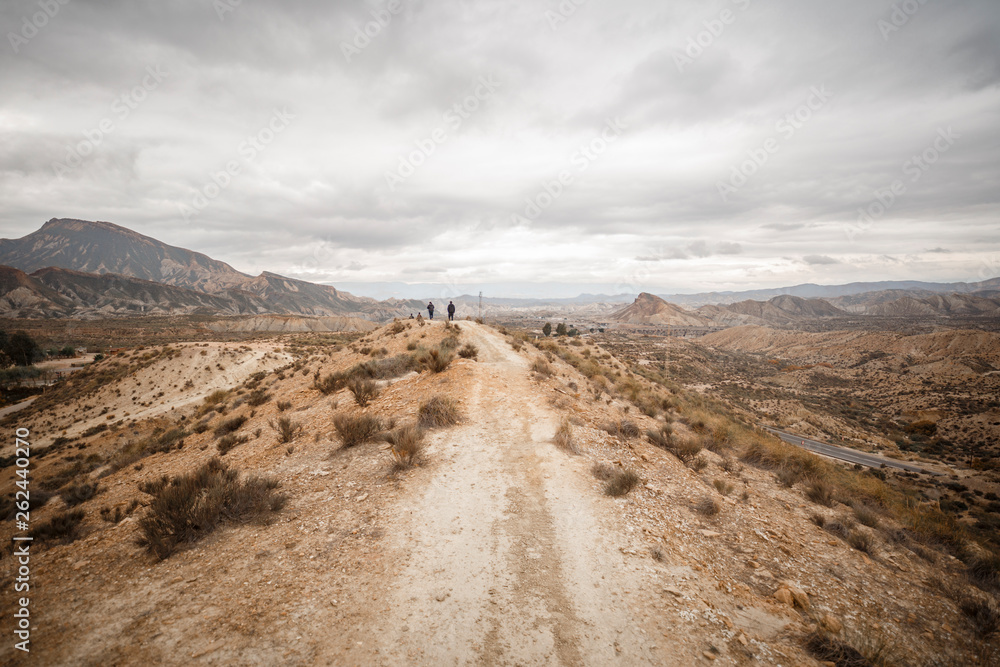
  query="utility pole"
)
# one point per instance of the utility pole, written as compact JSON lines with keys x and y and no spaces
{"x":480,"y":304}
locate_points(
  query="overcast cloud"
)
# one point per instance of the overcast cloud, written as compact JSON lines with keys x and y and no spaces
{"x":642,"y":145}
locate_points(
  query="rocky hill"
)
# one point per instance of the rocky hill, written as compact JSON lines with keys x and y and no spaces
{"x":652,"y":310}
{"x":52,"y":292}
{"x":102,"y":248}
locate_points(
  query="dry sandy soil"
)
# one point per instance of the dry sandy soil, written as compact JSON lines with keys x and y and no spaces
{"x":499,"y":549}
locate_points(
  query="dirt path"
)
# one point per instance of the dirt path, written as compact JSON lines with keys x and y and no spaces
{"x":510,"y":560}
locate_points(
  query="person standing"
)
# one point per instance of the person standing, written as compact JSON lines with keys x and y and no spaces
{"x":451,"y":310}
{"x":430,"y":310}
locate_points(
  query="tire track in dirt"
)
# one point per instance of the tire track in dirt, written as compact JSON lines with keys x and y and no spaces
{"x":508,"y":561}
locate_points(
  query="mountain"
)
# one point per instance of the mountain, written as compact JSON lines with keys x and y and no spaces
{"x":103,"y":248}
{"x":812,"y":291}
{"x":785,"y":309}
{"x":651,"y":309}
{"x":53,"y":292}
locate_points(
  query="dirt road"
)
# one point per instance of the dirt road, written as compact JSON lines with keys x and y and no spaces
{"x":510,"y":560}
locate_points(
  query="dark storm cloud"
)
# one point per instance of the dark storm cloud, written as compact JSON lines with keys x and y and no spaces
{"x":750,"y":134}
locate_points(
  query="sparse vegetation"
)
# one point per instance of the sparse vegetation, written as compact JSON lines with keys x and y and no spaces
{"x":193,"y":505}
{"x":357,"y":429}
{"x":257,"y":397}
{"x":617,"y":481}
{"x":63,"y":528}
{"x":365,"y":390}
{"x":438,"y":411}
{"x":820,"y":493}
{"x":708,"y":506}
{"x":468,"y":351}
{"x":436,"y":361}
{"x":227,"y":442}
{"x":723,"y":487}
{"x":78,"y":492}
{"x":564,"y":437}
{"x":541,"y":366}
{"x":623,"y":428}
{"x":286,"y":428}
{"x":406,"y":444}
{"x":230,"y":425}
{"x":283,"y":405}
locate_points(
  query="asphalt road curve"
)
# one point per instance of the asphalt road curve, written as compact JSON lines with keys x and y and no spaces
{"x":844,"y":453}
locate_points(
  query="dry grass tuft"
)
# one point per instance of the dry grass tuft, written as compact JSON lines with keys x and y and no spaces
{"x":365,"y":390}
{"x":564,"y":437}
{"x":708,"y":506}
{"x":468,"y":351}
{"x":620,"y":482}
{"x":358,"y":429}
{"x":438,"y":411}
{"x":286,"y":429}
{"x":407,"y":443}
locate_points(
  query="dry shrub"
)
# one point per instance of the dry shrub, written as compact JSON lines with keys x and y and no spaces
{"x":983,"y":615}
{"x":698,"y":463}
{"x":817,"y":519}
{"x":358,"y":429}
{"x":623,"y":428}
{"x":257,"y":397}
{"x":564,"y":437}
{"x":227,"y":442}
{"x":541,"y":366}
{"x":620,"y":482}
{"x":436,"y":361}
{"x":62,"y":528}
{"x":406,"y":444}
{"x":829,"y":649}
{"x":469,"y":351}
{"x":78,"y":492}
{"x":723,"y":487}
{"x":193,"y":505}
{"x":364,"y":390}
{"x":662,"y":438}
{"x":862,"y":540}
{"x":119,"y":512}
{"x":286,"y":429}
{"x":438,"y":411}
{"x":708,"y":506}
{"x":865,"y":515}
{"x":283,"y":405}
{"x":820,"y":493}
{"x":984,"y":571}
{"x":229,"y":426}
{"x":603,"y":471}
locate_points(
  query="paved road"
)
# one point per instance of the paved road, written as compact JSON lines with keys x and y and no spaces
{"x":844,"y":453}
{"x":17,"y":406}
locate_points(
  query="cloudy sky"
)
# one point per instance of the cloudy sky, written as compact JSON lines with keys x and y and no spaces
{"x":681,"y":146}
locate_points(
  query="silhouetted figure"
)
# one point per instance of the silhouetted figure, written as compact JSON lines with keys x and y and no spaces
{"x":451,"y":310}
{"x":430,"y":311}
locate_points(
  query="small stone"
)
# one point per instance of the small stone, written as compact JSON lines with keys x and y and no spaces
{"x":754,"y":564}
{"x":831,"y":623}
{"x":709,"y":655}
{"x":911,"y":619}
{"x":946,"y":627}
{"x":709,"y":533}
{"x":800,"y":597}
{"x":673,"y":591}
{"x":784,"y":596}
{"x":742,"y":639}
{"x":361,"y":497}
{"x":827,"y":663}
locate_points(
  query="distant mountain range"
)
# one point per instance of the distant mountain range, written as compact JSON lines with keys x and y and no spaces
{"x":77,"y":268}
{"x":790,"y":311}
